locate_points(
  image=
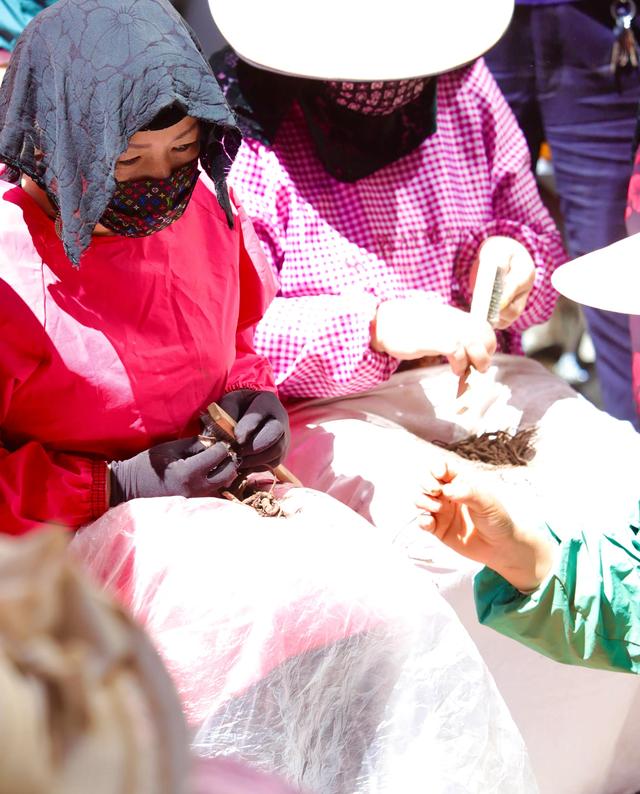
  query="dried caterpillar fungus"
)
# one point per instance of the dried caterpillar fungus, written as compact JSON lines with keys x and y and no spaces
{"x":497,"y":448}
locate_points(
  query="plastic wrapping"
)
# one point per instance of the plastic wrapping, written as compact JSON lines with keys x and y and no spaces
{"x":305,"y":646}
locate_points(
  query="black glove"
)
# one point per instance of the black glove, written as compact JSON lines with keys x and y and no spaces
{"x":177,"y":468}
{"x":262,"y":432}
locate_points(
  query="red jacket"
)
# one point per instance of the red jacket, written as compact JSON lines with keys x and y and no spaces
{"x":101,"y":362}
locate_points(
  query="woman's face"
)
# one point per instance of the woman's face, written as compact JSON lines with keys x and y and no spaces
{"x":156,"y":154}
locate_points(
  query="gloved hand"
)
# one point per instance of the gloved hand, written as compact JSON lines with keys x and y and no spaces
{"x":176,"y":468}
{"x":262,"y":432}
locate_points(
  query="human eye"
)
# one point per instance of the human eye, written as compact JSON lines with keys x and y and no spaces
{"x":185,"y":147}
{"x":129,"y":161}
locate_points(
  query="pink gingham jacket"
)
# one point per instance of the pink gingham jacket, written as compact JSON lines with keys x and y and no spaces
{"x":340,"y":249}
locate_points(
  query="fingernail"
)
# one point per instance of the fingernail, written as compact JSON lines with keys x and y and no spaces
{"x":432,"y":491}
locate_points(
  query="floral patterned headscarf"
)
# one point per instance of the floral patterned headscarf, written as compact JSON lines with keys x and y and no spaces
{"x":84,"y":77}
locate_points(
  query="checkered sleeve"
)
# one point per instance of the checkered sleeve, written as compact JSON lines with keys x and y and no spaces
{"x":319,"y":346}
{"x":518,"y":209}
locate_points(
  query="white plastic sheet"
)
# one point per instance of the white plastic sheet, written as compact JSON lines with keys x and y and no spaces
{"x":305,"y":646}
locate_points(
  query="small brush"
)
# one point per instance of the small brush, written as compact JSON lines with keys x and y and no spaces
{"x":485,"y":303}
{"x":223,"y":429}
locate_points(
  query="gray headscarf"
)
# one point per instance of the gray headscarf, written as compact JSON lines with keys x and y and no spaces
{"x":84,"y":77}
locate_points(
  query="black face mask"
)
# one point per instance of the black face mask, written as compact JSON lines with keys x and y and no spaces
{"x":353,"y":144}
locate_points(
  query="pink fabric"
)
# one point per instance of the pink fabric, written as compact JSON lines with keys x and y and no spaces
{"x":229,"y":776}
{"x":634,"y":325}
{"x":340,"y":249}
{"x":103,"y":361}
{"x":632,"y":220}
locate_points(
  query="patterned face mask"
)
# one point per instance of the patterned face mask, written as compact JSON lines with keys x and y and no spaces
{"x":145,"y":206}
{"x":375,"y":98}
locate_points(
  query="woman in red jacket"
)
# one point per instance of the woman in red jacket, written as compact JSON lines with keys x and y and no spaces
{"x":129,"y":281}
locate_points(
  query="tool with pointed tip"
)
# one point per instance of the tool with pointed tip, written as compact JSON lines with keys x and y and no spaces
{"x":486,"y":302}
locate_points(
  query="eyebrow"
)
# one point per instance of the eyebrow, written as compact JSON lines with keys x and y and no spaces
{"x":177,"y":138}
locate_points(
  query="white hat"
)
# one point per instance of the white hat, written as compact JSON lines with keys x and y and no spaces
{"x":361,"y":39}
{"x":608,"y":278}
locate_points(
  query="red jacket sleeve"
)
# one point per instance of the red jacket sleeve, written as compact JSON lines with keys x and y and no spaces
{"x":36,"y":485}
{"x":39,"y":487}
{"x":257,"y":288}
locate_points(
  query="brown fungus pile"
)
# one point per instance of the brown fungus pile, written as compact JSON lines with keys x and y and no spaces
{"x":265,"y":504}
{"x":249,"y":493}
{"x":497,"y":448}
{"x":243,"y":490}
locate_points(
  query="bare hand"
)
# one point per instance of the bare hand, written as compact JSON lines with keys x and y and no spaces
{"x":416,"y":326}
{"x":473,"y":522}
{"x":519,"y":273}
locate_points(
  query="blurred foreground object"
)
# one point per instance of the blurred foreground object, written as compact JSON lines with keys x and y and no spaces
{"x":608,"y":278}
{"x":84,"y":700}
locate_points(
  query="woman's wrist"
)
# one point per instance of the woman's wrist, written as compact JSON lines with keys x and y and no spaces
{"x":525,"y":561}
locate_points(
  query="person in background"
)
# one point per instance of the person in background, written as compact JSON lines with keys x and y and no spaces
{"x":632,"y":220}
{"x":574,"y":597}
{"x":569,"y":70}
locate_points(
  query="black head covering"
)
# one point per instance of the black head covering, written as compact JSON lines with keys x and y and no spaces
{"x":84,"y":77}
{"x":350,"y":145}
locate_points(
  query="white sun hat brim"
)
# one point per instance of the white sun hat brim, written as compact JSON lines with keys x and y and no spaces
{"x":608,"y":278}
{"x":361,"y":39}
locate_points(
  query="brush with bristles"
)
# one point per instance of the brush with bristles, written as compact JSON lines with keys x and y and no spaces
{"x":486,"y":302}
{"x":222,"y":428}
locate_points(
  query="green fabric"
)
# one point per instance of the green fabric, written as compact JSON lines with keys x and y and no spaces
{"x":587,"y":610}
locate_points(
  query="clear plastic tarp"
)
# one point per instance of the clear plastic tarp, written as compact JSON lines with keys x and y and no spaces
{"x":306,"y":646}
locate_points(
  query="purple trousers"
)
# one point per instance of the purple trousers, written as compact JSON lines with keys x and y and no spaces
{"x":553,"y":68}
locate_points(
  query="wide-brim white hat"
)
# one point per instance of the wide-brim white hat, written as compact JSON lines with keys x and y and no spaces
{"x":608,"y":278}
{"x":361,"y":39}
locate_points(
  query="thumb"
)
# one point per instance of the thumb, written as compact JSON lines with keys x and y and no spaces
{"x":187,"y":447}
{"x":209,"y":458}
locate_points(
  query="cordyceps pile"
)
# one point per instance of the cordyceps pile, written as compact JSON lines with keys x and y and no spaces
{"x":245,"y":489}
{"x":497,"y":448}
{"x":263,"y":502}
